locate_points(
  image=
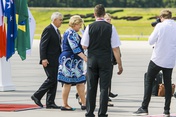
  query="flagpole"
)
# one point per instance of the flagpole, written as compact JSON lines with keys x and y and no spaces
{"x":5,"y":75}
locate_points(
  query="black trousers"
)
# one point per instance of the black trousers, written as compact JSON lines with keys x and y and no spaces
{"x":153,"y":70}
{"x":49,"y":86}
{"x":98,"y":72}
{"x":111,"y":79}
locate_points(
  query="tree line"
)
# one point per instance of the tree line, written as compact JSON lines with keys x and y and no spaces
{"x":106,"y":3}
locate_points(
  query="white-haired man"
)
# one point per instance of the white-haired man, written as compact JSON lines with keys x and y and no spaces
{"x":50,"y":50}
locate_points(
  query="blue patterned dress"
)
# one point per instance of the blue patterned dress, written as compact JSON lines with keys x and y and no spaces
{"x":70,"y":64}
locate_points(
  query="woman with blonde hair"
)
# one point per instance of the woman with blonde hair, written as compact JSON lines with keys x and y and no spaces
{"x":107,"y":18}
{"x":71,"y":63}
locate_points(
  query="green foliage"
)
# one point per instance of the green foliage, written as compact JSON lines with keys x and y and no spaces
{"x":128,"y":30}
{"x":106,"y":3}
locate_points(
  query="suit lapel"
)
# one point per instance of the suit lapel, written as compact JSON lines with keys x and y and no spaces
{"x":56,"y":36}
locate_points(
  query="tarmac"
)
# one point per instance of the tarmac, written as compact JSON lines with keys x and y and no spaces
{"x":28,"y":75}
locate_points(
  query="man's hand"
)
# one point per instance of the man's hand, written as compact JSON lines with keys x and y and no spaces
{"x":120,"y":69}
{"x":45,"y":62}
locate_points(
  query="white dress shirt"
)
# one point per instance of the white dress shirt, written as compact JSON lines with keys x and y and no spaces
{"x":55,"y":28}
{"x":115,"y":41}
{"x":164,"y":40}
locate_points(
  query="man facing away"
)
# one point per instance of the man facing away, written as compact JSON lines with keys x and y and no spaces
{"x":163,"y":58}
{"x":100,"y":38}
{"x":50,"y":50}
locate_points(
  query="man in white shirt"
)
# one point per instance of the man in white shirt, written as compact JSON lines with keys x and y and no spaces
{"x":163,"y":58}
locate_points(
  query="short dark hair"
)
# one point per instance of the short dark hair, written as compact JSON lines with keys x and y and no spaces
{"x":99,"y":10}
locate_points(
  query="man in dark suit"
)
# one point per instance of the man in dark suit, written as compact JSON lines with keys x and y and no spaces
{"x":50,"y":50}
{"x":100,"y":38}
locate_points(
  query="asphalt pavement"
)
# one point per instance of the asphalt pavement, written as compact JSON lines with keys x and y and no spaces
{"x":28,"y":75}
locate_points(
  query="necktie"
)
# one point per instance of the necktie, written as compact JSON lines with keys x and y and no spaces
{"x":59,"y":35}
{"x":58,"y":32}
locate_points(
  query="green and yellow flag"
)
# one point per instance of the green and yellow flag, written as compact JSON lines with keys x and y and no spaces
{"x":23,"y":36}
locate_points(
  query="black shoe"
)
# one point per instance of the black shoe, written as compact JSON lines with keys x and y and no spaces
{"x":109,"y":100}
{"x":141,"y":112}
{"x":166,"y":113}
{"x":175,"y":94}
{"x":53,"y":106}
{"x":110,"y":105}
{"x":83,"y":107}
{"x":37,"y":101}
{"x":77,"y":97}
{"x":112,"y":95}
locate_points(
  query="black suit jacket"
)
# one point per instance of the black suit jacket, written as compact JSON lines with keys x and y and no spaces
{"x":50,"y":48}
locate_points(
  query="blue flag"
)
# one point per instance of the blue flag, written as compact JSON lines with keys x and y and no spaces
{"x":11,"y":28}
